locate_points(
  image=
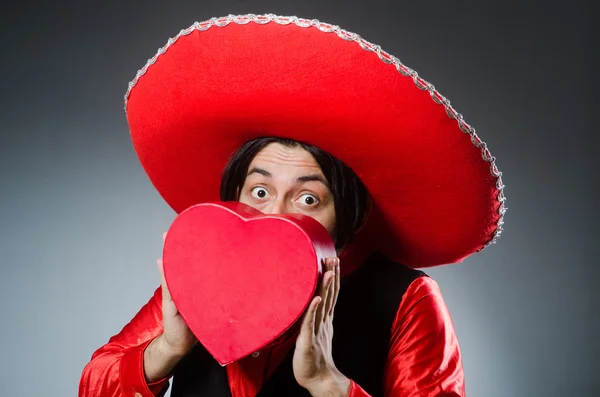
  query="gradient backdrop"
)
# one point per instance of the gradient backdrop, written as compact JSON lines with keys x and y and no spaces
{"x":81,"y":225}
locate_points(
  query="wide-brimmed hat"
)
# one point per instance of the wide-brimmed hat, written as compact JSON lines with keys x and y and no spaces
{"x":222,"y":82}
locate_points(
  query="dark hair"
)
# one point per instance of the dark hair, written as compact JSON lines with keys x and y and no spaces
{"x":350,"y":196}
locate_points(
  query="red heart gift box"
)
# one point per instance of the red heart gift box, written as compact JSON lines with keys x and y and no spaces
{"x":241,"y":278}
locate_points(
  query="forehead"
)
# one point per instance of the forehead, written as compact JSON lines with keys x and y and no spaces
{"x":295,"y":158}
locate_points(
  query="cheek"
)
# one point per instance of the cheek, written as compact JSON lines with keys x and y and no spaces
{"x":242,"y":198}
{"x":245,"y":199}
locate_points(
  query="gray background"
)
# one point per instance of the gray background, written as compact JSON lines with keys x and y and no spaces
{"x":81,"y":225}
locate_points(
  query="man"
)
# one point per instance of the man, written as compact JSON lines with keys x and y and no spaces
{"x":376,"y":160}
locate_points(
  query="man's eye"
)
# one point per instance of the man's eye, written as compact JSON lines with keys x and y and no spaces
{"x":308,"y":199}
{"x":259,"y":192}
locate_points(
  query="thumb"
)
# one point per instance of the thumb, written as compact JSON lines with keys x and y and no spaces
{"x":166,"y":295}
{"x":307,"y":330}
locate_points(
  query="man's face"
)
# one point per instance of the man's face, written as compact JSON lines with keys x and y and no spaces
{"x":284,"y":180}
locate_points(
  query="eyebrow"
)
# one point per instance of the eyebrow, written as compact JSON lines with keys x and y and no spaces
{"x":305,"y":178}
{"x":260,"y":171}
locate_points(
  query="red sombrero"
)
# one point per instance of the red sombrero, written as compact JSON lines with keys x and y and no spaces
{"x":225,"y":81}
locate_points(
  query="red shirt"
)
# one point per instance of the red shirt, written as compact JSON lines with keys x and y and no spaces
{"x":423,"y":360}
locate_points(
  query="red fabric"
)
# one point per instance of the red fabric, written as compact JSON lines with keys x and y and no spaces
{"x":116,"y":369}
{"x":424,"y":358}
{"x":213,"y":90}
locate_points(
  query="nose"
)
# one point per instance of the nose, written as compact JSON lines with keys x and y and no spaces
{"x":278,"y":206}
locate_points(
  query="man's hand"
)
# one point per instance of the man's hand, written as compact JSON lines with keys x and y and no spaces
{"x":313,"y":364}
{"x":164,"y":352}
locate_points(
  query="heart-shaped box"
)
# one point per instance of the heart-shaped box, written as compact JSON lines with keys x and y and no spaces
{"x":241,"y":278}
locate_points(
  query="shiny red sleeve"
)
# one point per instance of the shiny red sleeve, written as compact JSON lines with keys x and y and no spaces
{"x":424,"y":358}
{"x":117,"y":369}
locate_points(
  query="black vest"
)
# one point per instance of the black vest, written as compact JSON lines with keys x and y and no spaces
{"x":364,"y":313}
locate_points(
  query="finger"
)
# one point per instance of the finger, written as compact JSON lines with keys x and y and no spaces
{"x":166,"y":295}
{"x":322,"y":309}
{"x":164,"y":236}
{"x":327,"y":281}
{"x":323,"y":288}
{"x":336,"y":285}
{"x":322,"y":284}
{"x":331,"y":292}
{"x":307,"y":330}
{"x":323,"y":296}
{"x":330,"y":289}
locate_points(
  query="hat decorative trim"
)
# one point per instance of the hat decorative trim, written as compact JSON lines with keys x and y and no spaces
{"x":368,"y":46}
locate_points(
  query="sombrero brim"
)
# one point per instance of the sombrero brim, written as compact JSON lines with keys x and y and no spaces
{"x":225,"y":81}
